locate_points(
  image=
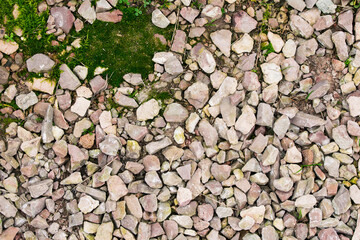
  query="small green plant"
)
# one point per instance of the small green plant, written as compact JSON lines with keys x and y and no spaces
{"x":9,"y":38}
{"x":308,"y":165}
{"x":299,"y":214}
{"x":268,"y":47}
{"x":165,"y":4}
{"x":12,"y":104}
{"x":196,"y":4}
{"x":307,"y":97}
{"x":211,"y":23}
{"x":355,"y":4}
{"x":347,"y":62}
{"x":39,"y":119}
{"x":124,"y":2}
{"x":89,"y":130}
{"x":146,"y":3}
{"x":138,"y":12}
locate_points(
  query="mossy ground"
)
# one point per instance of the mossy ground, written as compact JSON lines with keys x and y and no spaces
{"x":124,"y":47}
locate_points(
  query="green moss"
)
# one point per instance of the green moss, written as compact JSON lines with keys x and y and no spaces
{"x":33,"y":25}
{"x":160,"y":95}
{"x":123,"y":47}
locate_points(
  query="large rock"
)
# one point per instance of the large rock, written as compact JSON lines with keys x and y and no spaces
{"x":319,"y":89}
{"x":246,"y":120}
{"x":175,"y":112}
{"x":222,"y":39}
{"x":33,"y":207}
{"x":110,"y":145}
{"x":39,"y":63}
{"x":271,"y":72}
{"x":116,"y":187}
{"x":354,"y":105}
{"x":24,"y":101}
{"x":302,"y":120}
{"x":159,"y":19}
{"x":148,"y":110}
{"x":189,"y":14}
{"x":87,"y":11}
{"x":243,"y":23}
{"x":339,"y":39}
{"x":8,"y":47}
{"x":326,"y":6}
{"x":208,"y":132}
{"x":64,"y":19}
{"x":197,"y":94}
{"x":114,"y":16}
{"x":42,"y":85}
{"x":4,"y":75}
{"x":341,"y":201}
{"x":7,"y":208}
{"x":173,"y":66}
{"x":301,"y":26}
{"x":105,"y":231}
{"x":204,"y":58}
{"x":68,"y":79}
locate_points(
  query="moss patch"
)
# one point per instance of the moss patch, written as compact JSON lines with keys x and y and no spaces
{"x":125,"y":47}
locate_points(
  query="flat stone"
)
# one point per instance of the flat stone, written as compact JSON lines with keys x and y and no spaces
{"x":116,"y":187}
{"x":243,"y":45}
{"x":246,"y":120}
{"x":189,"y":14}
{"x":354,"y":105}
{"x":68,"y":79}
{"x":301,"y":26}
{"x":341,"y":202}
{"x":40,"y":188}
{"x":42,"y":85}
{"x":110,"y":145}
{"x":339,"y":39}
{"x":302,"y":120}
{"x":326,"y":6}
{"x":33,"y":207}
{"x":175,"y":112}
{"x":222,"y":39}
{"x":105,"y":231}
{"x":24,"y":101}
{"x":272,"y":73}
{"x":97,"y":84}
{"x":159,"y":19}
{"x":87,"y":11}
{"x":4,"y":75}
{"x":208,"y":132}
{"x":39,"y":63}
{"x":7,"y":208}
{"x":80,"y":106}
{"x":204,"y":58}
{"x":305,"y":201}
{"x":341,"y":137}
{"x":148,"y":110}
{"x":114,"y":16}
{"x":87,"y":204}
{"x":8,"y":47}
{"x":243,"y":23}
{"x":64,"y":19}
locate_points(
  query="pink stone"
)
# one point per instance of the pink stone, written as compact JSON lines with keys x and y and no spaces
{"x":113,"y":16}
{"x":64,"y":19}
{"x":205,"y":212}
